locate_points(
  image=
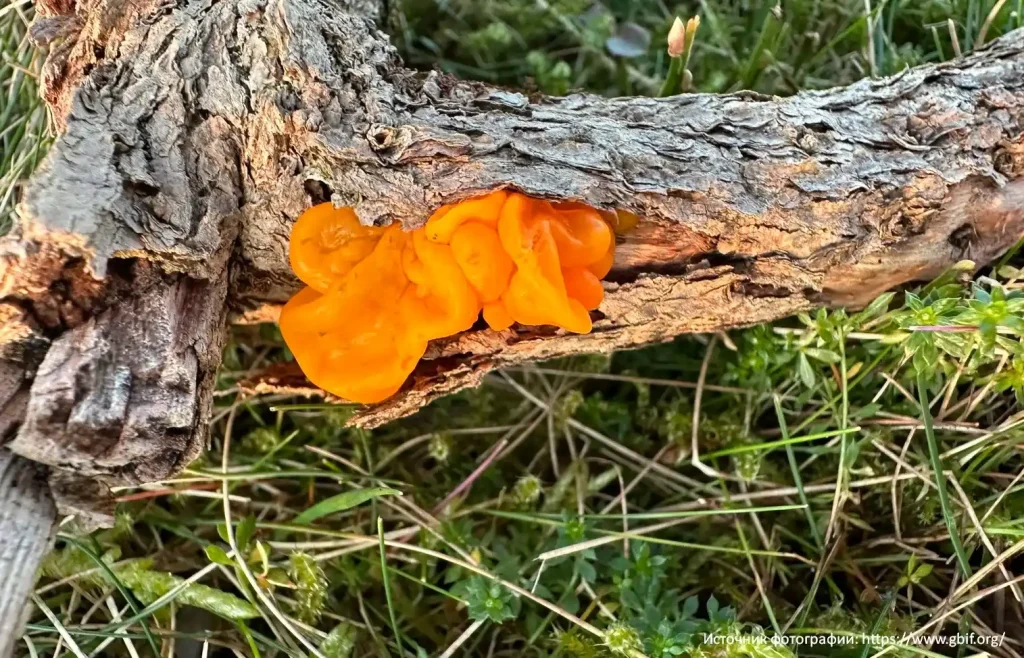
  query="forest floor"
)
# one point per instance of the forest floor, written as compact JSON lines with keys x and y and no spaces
{"x":844,"y":480}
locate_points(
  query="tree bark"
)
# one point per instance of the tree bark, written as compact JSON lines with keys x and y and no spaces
{"x":27,"y":518}
{"x":194,"y":132}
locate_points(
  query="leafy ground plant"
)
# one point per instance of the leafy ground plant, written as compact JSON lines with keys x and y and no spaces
{"x":845,"y":479}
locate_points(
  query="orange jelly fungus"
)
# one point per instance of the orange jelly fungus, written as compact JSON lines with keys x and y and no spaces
{"x":376,"y":296}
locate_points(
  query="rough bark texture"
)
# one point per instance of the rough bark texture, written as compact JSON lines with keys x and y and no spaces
{"x":196,"y":131}
{"x":27,"y":518}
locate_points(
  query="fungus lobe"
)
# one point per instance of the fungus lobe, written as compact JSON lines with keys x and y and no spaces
{"x":376,"y":296}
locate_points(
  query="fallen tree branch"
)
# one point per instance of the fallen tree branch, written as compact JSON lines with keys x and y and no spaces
{"x":194,"y":133}
{"x":26,"y":532}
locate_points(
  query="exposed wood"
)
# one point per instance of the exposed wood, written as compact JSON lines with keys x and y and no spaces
{"x":27,"y":517}
{"x":125,"y":395}
{"x":196,"y":131}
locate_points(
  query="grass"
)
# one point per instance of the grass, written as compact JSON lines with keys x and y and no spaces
{"x":855,"y":474}
{"x":24,"y":134}
{"x":771,"y":46}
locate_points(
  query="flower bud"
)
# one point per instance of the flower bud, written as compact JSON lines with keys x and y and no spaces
{"x":691,"y":28}
{"x":677,"y":38}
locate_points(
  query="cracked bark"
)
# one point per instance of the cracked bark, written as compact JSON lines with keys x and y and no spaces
{"x":195,"y":131}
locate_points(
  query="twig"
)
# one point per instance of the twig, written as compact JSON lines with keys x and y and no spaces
{"x":697,"y":398}
{"x":461,"y":639}
{"x":468,"y":482}
{"x":64,"y":635}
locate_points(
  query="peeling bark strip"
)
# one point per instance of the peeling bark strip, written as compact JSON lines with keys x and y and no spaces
{"x":26,"y":529}
{"x":196,"y":131}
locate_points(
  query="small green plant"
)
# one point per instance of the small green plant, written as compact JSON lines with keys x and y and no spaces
{"x":680,"y":46}
{"x":622,"y":640}
{"x":340,"y":642}
{"x":487,"y":600}
{"x":914,"y":573}
{"x":310,"y":587}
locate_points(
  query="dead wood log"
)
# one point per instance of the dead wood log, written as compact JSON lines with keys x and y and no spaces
{"x":194,"y":132}
{"x":26,"y":529}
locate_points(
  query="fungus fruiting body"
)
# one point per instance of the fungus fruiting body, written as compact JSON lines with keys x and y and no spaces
{"x":376,"y":296}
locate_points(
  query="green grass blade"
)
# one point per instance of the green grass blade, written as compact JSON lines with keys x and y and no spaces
{"x":940,"y":478}
{"x":768,"y":445}
{"x":387,"y":587}
{"x":798,"y":481}
{"x":342,"y":502}
{"x":128,"y":596}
